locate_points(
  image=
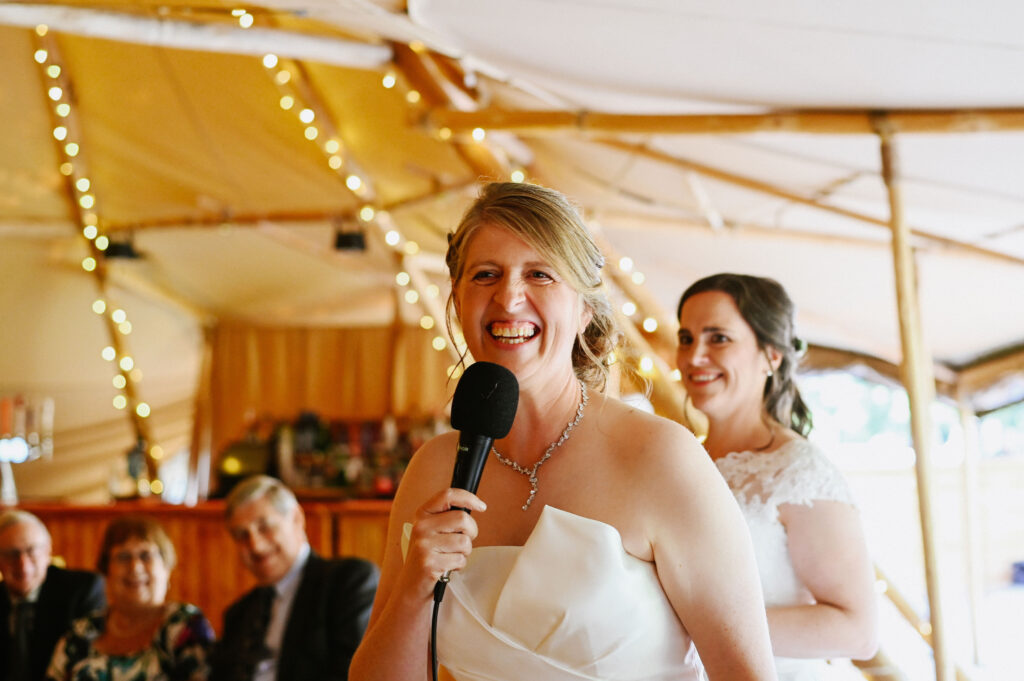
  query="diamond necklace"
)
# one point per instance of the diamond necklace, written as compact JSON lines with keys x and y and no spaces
{"x":531,"y":473}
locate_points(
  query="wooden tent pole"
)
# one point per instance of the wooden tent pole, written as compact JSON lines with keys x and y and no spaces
{"x":920,"y":385}
{"x":972,"y":556}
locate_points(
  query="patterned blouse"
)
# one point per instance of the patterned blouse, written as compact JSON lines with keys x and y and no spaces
{"x":178,"y":651}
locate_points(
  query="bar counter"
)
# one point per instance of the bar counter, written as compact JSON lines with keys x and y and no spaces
{"x":209,"y":572}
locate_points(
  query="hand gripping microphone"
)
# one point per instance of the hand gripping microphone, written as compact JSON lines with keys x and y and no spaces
{"x":483,"y":409}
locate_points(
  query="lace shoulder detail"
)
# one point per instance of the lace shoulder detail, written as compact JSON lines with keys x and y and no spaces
{"x":796,"y":473}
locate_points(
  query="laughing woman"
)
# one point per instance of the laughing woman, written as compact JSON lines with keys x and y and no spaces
{"x":603,"y":544}
{"x":141,"y":636}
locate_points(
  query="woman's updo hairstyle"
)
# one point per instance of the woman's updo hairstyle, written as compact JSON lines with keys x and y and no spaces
{"x":548,"y":223}
{"x":768,"y":311}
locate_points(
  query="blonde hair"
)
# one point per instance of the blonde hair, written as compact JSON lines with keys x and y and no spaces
{"x":549,"y":224}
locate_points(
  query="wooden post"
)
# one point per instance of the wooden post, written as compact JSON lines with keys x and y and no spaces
{"x":972,"y":557}
{"x":920,"y":384}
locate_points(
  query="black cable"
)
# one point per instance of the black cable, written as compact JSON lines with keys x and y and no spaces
{"x":438,"y":595}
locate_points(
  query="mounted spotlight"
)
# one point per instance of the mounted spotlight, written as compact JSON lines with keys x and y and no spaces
{"x":348,"y":237}
{"x":123,"y":247}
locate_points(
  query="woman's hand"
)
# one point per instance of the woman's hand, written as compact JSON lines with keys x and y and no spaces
{"x":441,"y":539}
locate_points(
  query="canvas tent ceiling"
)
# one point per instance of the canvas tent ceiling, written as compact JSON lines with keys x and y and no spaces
{"x":189,"y":151}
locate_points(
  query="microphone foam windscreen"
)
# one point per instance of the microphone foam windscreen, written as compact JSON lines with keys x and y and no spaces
{"x":485,"y":400}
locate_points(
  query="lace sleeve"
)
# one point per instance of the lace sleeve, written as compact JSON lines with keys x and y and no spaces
{"x":806,"y":475}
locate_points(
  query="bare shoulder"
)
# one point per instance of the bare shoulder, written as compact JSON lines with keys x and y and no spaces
{"x":428,"y":471}
{"x":649,"y":440}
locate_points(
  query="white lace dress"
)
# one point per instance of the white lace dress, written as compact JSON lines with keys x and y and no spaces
{"x":796,"y":473}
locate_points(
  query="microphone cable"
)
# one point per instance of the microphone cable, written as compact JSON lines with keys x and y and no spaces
{"x":438,"y":595}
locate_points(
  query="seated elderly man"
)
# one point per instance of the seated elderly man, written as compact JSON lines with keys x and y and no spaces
{"x":38,"y":601}
{"x":308,"y":614}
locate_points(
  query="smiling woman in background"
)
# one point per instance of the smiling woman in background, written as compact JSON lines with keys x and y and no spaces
{"x":140,"y":637}
{"x":737,"y":354}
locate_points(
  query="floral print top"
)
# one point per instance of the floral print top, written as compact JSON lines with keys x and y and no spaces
{"x":178,"y":652}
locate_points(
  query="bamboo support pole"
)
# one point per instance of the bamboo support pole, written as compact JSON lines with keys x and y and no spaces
{"x":972,"y":556}
{"x":920,"y":384}
{"x":824,"y":122}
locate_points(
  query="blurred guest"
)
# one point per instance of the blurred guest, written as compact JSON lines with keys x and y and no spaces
{"x":308,"y":614}
{"x":141,"y":636}
{"x":38,"y":601}
{"x":738,"y":355}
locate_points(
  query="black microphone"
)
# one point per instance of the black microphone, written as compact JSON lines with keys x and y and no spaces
{"x":483,"y":409}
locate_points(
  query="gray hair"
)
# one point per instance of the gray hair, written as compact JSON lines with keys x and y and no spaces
{"x":16,"y":516}
{"x":258,"y":487}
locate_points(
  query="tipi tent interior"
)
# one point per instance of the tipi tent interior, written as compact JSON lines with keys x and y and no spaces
{"x":282,"y":177}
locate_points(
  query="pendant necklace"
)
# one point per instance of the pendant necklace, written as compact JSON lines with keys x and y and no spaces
{"x":531,"y":473}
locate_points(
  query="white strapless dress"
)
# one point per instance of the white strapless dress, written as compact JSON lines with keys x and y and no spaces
{"x":796,"y":473}
{"x":570,"y":604}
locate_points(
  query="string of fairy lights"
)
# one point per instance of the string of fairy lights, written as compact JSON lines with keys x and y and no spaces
{"x":73,"y":167}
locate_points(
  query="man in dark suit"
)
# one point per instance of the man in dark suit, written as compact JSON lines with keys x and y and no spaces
{"x":308,"y":614}
{"x":38,"y":601}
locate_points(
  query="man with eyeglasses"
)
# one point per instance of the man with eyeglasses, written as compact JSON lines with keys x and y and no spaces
{"x":38,"y":601}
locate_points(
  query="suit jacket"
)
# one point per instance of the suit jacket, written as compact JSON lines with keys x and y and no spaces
{"x":64,"y":596}
{"x":328,"y":619}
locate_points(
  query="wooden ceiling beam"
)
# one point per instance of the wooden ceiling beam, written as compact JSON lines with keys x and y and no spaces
{"x":838,"y":122}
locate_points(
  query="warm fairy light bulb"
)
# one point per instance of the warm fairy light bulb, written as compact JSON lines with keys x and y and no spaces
{"x":90,"y":232}
{"x":90,"y":219}
{"x":335,"y":162}
{"x":287,"y":102}
{"x":237,"y":12}
{"x":391,"y":238}
{"x":283,"y":76}
{"x":53,"y":71}
{"x":366,"y":213}
{"x":55,"y":93}
{"x":439,"y":343}
{"x":650,"y":324}
{"x":102,"y":242}
{"x":99,"y":306}
{"x":82,"y":184}
{"x":118,"y":315}
{"x":353,"y":182}
{"x":89,"y":264}
{"x":427,"y":322}
{"x":646,"y":365}
{"x":41,"y":29}
{"x":412,"y":96}
{"x":311,"y":133}
{"x":638,"y":278}
{"x":417,"y":46}
{"x":66,"y":169}
{"x":332,"y":146}
{"x":676,"y":375}
{"x":120,"y":402}
{"x":142,"y":409}
{"x":63,"y":109}
{"x":402,"y":278}
{"x":925,"y":628}
{"x":71,"y":149}
{"x":433,"y":291}
{"x":479,"y":134}
{"x":245,"y":20}
{"x":412,"y":296}
{"x":269,"y":60}
{"x":125,"y":328}
{"x":156,"y":452}
{"x":444,"y":133}
{"x":41,"y":56}
{"x":87,"y":201}
{"x":126,"y":363}
{"x":307,"y":115}
{"x":389,"y":80}
{"x":120,"y":381}
{"x":136,"y":375}
{"x":411,"y":248}
{"x":518,"y":176}
{"x":629,"y":308}
{"x":156,"y":487}
{"x":625,"y":264}
{"x":109,"y":353}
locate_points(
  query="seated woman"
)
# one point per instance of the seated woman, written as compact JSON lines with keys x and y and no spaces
{"x":141,"y":636}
